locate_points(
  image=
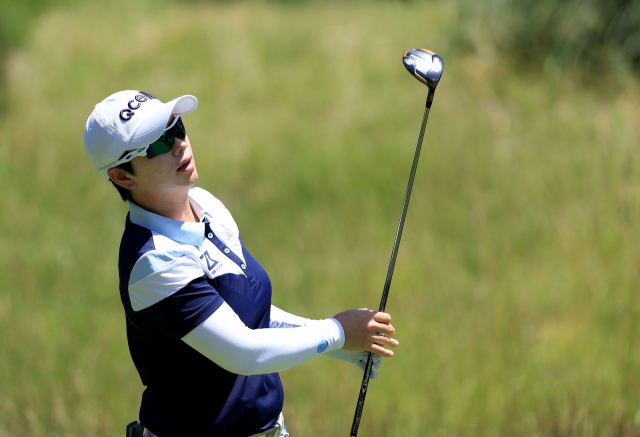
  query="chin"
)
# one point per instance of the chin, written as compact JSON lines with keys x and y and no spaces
{"x":194,"y":177}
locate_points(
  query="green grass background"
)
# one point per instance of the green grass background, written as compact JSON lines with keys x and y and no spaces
{"x":515,"y":290}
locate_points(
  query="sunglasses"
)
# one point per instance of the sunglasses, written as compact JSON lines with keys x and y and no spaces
{"x":162,"y":145}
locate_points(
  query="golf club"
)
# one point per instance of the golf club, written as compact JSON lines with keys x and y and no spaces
{"x":427,"y":67}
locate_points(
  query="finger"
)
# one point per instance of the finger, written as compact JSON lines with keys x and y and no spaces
{"x":377,"y":349}
{"x":383,"y":340}
{"x":383,"y":329}
{"x":382,"y":318}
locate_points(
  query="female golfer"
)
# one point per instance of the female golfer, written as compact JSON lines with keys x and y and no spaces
{"x":201,"y":329}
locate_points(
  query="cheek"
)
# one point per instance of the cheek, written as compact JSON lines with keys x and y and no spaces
{"x":148,"y":170}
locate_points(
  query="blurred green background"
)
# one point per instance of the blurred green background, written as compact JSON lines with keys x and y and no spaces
{"x":515,"y":291}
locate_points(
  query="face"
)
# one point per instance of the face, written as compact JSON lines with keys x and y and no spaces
{"x":165,"y":175}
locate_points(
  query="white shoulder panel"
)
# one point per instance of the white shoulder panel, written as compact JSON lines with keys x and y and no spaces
{"x":159,"y":274}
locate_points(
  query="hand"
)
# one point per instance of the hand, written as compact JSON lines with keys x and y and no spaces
{"x":358,"y":358}
{"x":367,"y":330}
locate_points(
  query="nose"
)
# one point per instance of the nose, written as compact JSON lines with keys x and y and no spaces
{"x":179,"y":145}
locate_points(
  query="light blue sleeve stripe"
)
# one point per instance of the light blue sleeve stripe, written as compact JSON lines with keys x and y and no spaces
{"x":153,"y":261}
{"x":157,"y":275}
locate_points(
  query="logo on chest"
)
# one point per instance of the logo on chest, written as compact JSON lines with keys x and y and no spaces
{"x":212,"y":265}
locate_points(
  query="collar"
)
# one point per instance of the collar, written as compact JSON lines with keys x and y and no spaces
{"x":182,"y":232}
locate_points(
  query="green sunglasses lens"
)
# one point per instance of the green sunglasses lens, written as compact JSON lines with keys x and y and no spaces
{"x":164,"y":144}
{"x":159,"y":147}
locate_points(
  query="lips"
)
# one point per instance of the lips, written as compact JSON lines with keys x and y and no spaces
{"x":184,"y":165}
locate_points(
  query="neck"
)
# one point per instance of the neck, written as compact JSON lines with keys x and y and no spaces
{"x":173,"y":207}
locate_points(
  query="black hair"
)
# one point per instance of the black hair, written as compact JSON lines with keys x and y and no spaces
{"x":124,"y":193}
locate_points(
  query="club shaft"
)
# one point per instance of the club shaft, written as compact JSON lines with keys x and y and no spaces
{"x":392,"y":262}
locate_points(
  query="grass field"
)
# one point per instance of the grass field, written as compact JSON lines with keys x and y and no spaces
{"x":515,"y":293}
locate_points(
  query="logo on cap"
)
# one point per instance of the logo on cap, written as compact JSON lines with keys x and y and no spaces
{"x":128,"y":112}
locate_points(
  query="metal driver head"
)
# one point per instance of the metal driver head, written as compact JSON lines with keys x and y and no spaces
{"x":425,"y":65}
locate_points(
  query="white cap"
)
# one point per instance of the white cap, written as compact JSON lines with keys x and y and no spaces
{"x":128,"y":120}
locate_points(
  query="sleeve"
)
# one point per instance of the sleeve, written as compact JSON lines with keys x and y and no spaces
{"x":169,"y":290}
{"x":283,"y":319}
{"x":225,"y":340}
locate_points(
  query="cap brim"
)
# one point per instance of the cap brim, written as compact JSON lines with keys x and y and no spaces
{"x":183,"y":105}
{"x":155,"y":121}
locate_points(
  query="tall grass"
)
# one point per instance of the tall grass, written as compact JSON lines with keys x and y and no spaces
{"x":514,"y":294}
{"x":589,"y":38}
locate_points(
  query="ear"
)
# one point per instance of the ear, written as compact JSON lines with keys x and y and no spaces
{"x":120,"y":177}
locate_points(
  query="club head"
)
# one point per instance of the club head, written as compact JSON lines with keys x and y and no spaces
{"x":425,"y":65}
